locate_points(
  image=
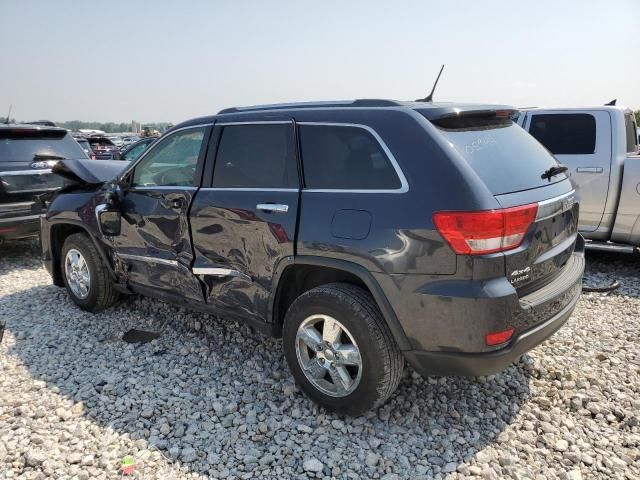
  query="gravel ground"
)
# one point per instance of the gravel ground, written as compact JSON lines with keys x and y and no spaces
{"x":211,"y":399}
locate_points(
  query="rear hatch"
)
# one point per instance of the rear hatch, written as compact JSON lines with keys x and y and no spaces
{"x":516,"y":169}
{"x":26,"y":157}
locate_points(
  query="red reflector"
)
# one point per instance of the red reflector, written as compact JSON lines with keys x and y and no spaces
{"x":496,"y":338}
{"x":503,"y":113}
{"x":7,"y":229}
{"x":485,"y":231}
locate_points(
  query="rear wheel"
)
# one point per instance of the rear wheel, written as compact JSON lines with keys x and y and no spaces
{"x":85,"y":276}
{"x":340,"y":349}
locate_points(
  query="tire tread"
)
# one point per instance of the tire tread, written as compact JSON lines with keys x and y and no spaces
{"x":363,"y":304}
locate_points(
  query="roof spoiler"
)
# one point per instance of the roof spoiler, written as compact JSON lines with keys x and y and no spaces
{"x":488,"y":111}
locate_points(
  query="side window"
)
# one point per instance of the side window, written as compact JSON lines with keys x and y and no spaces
{"x":632,"y":145}
{"x":172,"y":162}
{"x":339,"y":157}
{"x":256,"y":156}
{"x":565,"y":134}
{"x":135,"y":152}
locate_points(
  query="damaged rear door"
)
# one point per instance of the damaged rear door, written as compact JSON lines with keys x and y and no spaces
{"x":155,"y":241}
{"x":245,"y":223}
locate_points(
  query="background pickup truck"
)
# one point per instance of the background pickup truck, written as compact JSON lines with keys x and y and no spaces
{"x":599,"y":145}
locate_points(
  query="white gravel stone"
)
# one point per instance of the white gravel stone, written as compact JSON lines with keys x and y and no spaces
{"x":313,"y":465}
{"x":35,"y":458}
{"x":211,"y":399}
{"x":371,"y":460}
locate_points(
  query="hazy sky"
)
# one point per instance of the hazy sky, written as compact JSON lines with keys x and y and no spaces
{"x":172,"y":60}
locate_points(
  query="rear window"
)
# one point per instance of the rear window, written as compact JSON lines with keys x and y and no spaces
{"x":632,"y":140}
{"x":256,"y":156}
{"x":28,"y":145}
{"x":565,"y":134}
{"x":339,"y":157}
{"x":100,"y":141}
{"x":502,"y":154}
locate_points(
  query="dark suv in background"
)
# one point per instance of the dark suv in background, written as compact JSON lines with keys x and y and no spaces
{"x":364,"y":233}
{"x":103,"y":148}
{"x":27,"y":153}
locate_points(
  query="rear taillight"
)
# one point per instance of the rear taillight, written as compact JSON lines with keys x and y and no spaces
{"x":485,"y":231}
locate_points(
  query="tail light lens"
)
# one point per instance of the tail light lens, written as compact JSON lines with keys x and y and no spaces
{"x":496,"y":338}
{"x":485,"y":231}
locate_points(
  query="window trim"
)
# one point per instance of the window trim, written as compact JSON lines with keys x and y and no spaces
{"x":589,"y":113}
{"x":404,"y":185}
{"x":127,"y":171}
{"x":250,"y":189}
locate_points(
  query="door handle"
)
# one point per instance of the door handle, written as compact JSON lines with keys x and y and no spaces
{"x":589,"y":169}
{"x":273,"y":207}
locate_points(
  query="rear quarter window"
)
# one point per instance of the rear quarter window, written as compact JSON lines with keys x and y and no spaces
{"x":565,"y":134}
{"x":631,"y":132}
{"x":343,"y":157}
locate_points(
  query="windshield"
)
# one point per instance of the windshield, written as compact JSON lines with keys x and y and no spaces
{"x":503,"y":155}
{"x":24,"y":146}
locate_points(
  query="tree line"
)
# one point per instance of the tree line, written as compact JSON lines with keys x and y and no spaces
{"x":108,"y":127}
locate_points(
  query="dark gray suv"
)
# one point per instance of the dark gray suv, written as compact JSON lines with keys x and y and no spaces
{"x":363,"y":233}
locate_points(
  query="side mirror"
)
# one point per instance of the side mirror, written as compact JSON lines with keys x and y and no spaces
{"x":109,"y":220}
{"x":110,"y":223}
{"x":108,"y":214}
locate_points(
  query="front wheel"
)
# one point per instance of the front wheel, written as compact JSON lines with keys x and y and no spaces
{"x":85,"y":277}
{"x":340,"y":349}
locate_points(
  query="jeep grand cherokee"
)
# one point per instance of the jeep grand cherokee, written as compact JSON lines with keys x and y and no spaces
{"x":364,"y":233}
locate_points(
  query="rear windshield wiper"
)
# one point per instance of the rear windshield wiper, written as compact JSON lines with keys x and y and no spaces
{"x":553,"y":171}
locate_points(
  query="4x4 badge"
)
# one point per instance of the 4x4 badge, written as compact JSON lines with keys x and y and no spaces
{"x":520,"y":275}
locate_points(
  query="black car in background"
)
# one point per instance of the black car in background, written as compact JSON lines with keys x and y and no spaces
{"x":27,"y":153}
{"x":134,"y":150}
{"x":104,"y":148}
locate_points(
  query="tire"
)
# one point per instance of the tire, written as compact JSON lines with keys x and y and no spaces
{"x":381,"y":362}
{"x":100,"y":293}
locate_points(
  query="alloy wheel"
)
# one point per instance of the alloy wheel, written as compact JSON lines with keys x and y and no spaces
{"x":328,"y":355}
{"x":77,"y":273}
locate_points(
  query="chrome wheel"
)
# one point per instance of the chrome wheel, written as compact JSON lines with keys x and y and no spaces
{"x":77,"y":273}
{"x":329,"y":356}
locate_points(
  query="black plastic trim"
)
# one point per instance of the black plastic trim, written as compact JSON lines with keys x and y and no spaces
{"x":359,"y":271}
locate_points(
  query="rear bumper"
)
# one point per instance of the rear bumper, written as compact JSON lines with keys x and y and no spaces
{"x":476,"y":364}
{"x":20,"y":219}
{"x":446,"y":321}
{"x":24,"y":226}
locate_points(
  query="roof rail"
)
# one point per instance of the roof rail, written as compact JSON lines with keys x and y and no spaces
{"x":365,"y":102}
